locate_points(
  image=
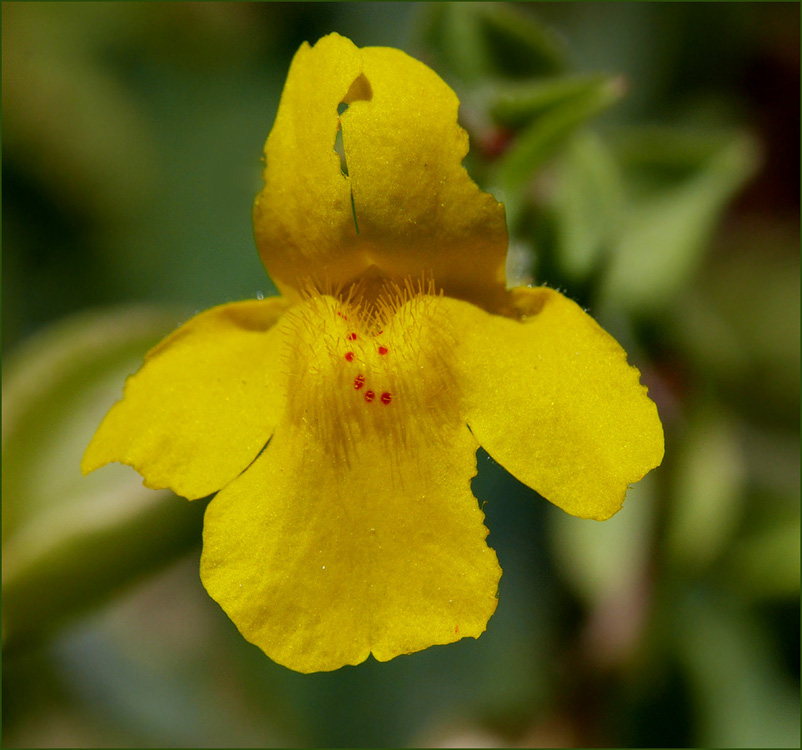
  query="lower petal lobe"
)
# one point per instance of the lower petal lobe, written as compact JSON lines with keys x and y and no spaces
{"x":551,"y":397}
{"x":204,"y":403}
{"x":321,"y":557}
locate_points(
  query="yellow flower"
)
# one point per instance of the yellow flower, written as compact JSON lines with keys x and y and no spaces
{"x":339,"y":423}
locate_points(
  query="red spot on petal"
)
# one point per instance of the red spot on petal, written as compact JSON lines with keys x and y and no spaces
{"x":352,"y":337}
{"x":383,"y":350}
{"x":359,"y":381}
{"x":369,"y":396}
{"x":386,"y":397}
{"x":349,"y":357}
{"x":456,"y":628}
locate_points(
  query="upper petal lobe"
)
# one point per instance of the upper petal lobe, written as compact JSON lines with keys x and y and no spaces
{"x":418,"y":212}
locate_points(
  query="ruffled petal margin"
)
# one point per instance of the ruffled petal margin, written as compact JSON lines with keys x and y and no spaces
{"x":204,"y":403}
{"x":551,"y":398}
{"x":320,"y":562}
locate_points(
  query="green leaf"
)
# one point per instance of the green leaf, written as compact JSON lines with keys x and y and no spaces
{"x":708,"y":494}
{"x":588,"y":203}
{"x":517,"y":45}
{"x":765,"y":565}
{"x":739,"y":321}
{"x":549,"y":131}
{"x":660,"y":156}
{"x":742,"y":697}
{"x":69,"y":540}
{"x":602,"y":560}
{"x":515,"y":105}
{"x":473,"y":41}
{"x":666,"y":234}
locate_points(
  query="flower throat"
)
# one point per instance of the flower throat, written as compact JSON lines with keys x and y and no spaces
{"x":363,"y":370}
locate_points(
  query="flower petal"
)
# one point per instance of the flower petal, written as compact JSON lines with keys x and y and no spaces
{"x":320,"y":562}
{"x":552,"y":399}
{"x":204,"y":403}
{"x":417,"y":210}
{"x":417,"y":207}
{"x":303,"y":215}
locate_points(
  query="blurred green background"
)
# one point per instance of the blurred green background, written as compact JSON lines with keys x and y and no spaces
{"x":648,"y":155}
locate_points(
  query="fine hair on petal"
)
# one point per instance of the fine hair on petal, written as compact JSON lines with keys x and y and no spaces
{"x":360,"y":370}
